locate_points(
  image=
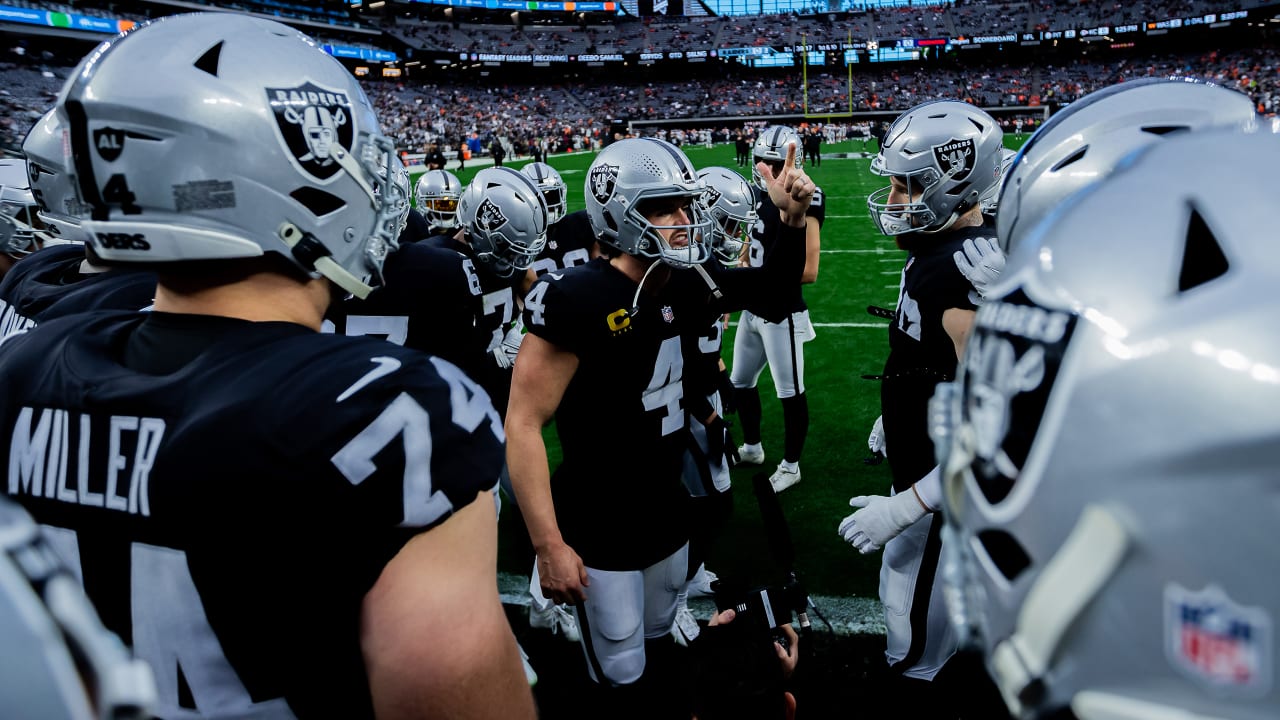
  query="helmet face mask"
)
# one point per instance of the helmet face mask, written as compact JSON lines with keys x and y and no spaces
{"x":731,"y":203}
{"x":948,"y":152}
{"x":633,"y":176}
{"x":770,"y":148}
{"x":437,"y":195}
{"x":18,"y":210}
{"x":283,"y":155}
{"x":504,"y":216}
{"x":52,"y":186}
{"x":553,"y":189}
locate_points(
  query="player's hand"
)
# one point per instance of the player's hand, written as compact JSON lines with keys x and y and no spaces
{"x":562,"y":575}
{"x":981,"y":261}
{"x":789,"y":655}
{"x":505,"y":354}
{"x":880,"y":520}
{"x":875,"y":441}
{"x":791,"y":191}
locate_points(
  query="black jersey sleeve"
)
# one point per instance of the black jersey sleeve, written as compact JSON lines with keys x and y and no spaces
{"x":550,"y":314}
{"x":818,"y":206}
{"x":781,"y":271}
{"x":408,"y":437}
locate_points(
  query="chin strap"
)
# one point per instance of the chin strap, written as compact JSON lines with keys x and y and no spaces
{"x":715,"y":289}
{"x":635,"y":300}
{"x":1091,"y":554}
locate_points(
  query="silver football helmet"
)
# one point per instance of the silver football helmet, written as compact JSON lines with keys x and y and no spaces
{"x":52,"y":187}
{"x":770,"y":148}
{"x":1086,"y":140}
{"x":504,"y":217}
{"x":626,"y":176}
{"x":948,"y":154}
{"x":732,"y":205}
{"x":437,"y":195}
{"x":218,"y":135}
{"x":18,"y":209}
{"x":1112,"y":470}
{"x":990,"y":199}
{"x":59,"y":662}
{"x":554,"y":191}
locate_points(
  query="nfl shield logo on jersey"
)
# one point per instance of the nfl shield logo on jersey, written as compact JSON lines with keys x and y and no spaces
{"x":1216,"y":641}
{"x":955,"y":158}
{"x":668,"y":314}
{"x":602,"y":180}
{"x":313,"y":123}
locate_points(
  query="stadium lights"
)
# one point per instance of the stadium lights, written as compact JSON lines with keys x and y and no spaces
{"x":376,"y":5}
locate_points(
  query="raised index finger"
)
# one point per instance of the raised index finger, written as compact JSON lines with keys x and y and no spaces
{"x":791,"y":155}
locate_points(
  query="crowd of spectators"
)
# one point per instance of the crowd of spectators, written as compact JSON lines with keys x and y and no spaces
{"x":949,"y":19}
{"x":565,"y":116}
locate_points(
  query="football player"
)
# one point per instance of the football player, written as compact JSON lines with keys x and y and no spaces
{"x":282,"y":523}
{"x":19,"y":222}
{"x":437,"y":197}
{"x":604,"y":356}
{"x":570,"y":239}
{"x":776,"y":325}
{"x":940,"y":158}
{"x":458,"y":297}
{"x":1115,"y":444}
{"x":61,"y":278}
{"x":731,"y":204}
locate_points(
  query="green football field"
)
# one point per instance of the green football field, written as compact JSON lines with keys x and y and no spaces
{"x":859,"y":267}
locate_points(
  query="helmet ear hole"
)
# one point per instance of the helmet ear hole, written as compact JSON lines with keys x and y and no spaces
{"x":1202,"y":258}
{"x":317,"y":202}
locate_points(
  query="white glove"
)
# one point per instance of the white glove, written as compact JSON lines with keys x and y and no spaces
{"x":876,"y":440}
{"x":505,"y":354}
{"x":880,"y":520}
{"x":981,"y":261}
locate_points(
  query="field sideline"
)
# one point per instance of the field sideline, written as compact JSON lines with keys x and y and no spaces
{"x":858,"y":267}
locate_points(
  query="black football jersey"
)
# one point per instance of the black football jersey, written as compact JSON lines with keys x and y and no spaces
{"x":569,"y":243}
{"x":620,"y":501}
{"x":921,"y":353}
{"x":228,"y":513}
{"x":777,"y":305}
{"x":48,"y":284}
{"x":440,"y":300}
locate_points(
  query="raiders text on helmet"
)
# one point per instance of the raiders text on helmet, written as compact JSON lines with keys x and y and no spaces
{"x":947,"y":153}
{"x":1113,"y":458}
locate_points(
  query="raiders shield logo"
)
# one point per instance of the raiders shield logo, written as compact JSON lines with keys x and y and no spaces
{"x":314,"y":123}
{"x":711,"y":196}
{"x":109,"y":143}
{"x":602,"y":180}
{"x":955,"y":158}
{"x":1012,"y":360}
{"x":489,"y":216}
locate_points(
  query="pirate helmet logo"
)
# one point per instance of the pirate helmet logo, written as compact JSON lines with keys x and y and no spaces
{"x":955,"y":158}
{"x":602,"y":180}
{"x":489,"y":216}
{"x":315,"y":124}
{"x":711,"y":196}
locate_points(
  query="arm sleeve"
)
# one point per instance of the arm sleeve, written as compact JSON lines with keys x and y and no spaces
{"x":782,"y":268}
